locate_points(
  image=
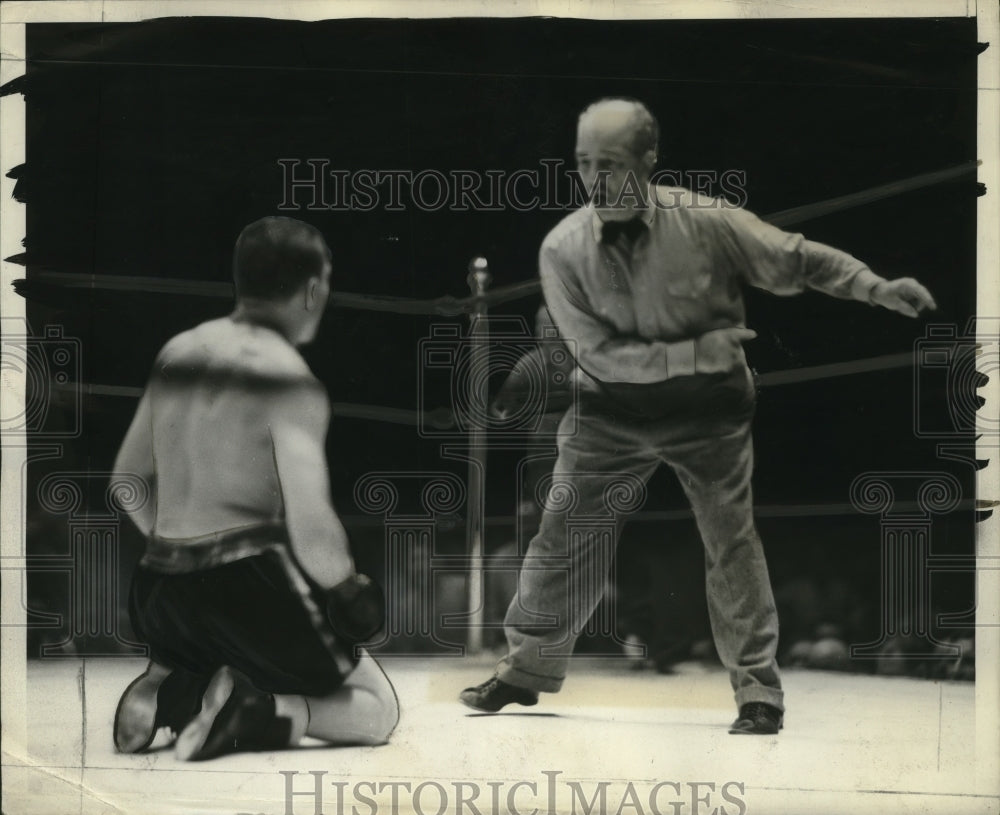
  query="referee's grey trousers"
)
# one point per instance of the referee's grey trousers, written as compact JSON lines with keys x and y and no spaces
{"x":604,"y":462}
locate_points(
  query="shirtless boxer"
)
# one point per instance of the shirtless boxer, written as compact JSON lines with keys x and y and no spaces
{"x":247,"y":593}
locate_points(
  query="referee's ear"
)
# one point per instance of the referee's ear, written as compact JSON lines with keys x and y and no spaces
{"x":648,"y":160}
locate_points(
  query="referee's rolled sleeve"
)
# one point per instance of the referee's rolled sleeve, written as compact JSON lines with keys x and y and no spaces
{"x":786,"y":262}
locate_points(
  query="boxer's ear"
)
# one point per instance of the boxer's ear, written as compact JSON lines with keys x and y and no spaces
{"x":312,"y":293}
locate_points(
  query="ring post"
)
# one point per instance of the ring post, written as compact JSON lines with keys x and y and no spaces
{"x":477,"y":398}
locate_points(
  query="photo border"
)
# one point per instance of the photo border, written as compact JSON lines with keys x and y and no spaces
{"x":14,"y":16}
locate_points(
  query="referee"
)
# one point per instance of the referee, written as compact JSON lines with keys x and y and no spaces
{"x":644,"y":284}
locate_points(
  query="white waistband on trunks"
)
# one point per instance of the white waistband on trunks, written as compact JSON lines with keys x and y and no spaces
{"x":181,"y":555}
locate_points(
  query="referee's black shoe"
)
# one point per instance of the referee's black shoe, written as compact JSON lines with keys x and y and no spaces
{"x":494,"y":694}
{"x":758,"y":719}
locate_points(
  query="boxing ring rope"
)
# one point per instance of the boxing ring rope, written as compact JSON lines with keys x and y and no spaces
{"x":449,"y":306}
{"x":477,"y":305}
{"x":443,"y":418}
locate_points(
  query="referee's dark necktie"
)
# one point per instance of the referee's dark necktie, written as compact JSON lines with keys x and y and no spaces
{"x":631,"y":229}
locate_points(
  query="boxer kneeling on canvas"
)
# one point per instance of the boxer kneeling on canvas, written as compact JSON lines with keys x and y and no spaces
{"x":247,"y":594}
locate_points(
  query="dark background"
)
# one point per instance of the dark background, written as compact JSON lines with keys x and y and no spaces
{"x":150,"y":145}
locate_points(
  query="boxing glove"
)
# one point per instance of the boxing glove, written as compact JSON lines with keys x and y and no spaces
{"x":355,"y":608}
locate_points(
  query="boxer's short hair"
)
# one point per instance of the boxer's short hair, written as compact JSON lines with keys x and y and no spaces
{"x":275,"y":256}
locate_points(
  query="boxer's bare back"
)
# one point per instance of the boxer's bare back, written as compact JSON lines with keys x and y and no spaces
{"x":230,"y":434}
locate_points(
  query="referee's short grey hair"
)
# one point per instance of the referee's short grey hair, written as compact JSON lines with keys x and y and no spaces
{"x":645,"y":128}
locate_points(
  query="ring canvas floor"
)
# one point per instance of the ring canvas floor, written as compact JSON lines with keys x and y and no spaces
{"x":851,"y":744}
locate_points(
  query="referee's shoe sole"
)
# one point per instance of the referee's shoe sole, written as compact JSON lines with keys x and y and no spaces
{"x":234,"y":717}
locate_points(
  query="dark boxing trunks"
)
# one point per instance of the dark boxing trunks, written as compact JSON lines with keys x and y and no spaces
{"x":238,"y":599}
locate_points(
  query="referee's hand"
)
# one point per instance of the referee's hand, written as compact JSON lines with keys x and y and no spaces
{"x":719,"y":351}
{"x":905,"y":295}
